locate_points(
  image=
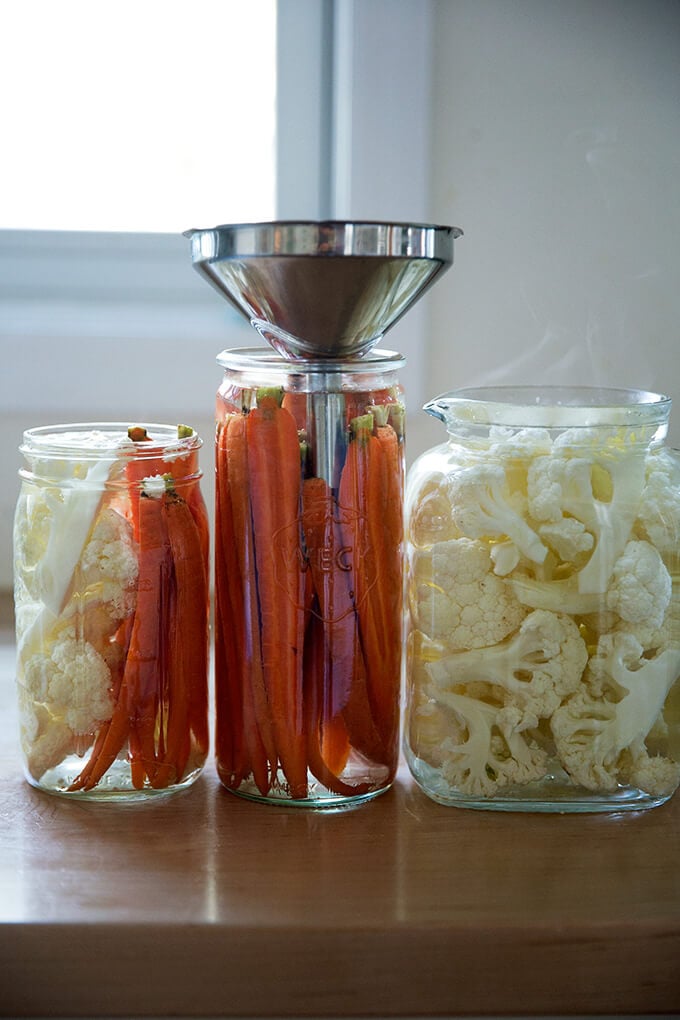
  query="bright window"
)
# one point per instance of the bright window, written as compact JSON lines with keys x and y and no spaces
{"x":138,"y":115}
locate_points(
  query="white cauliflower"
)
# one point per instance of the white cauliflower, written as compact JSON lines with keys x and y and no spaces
{"x":458,"y":600}
{"x":483,"y":506}
{"x":479,"y":757}
{"x":52,"y":525}
{"x":64,"y":697}
{"x":639,"y":589}
{"x":568,"y":537}
{"x":64,"y":660}
{"x":108,"y":567}
{"x":601,"y":731}
{"x":659,"y":511}
{"x":46,"y":741}
{"x":72,"y":680}
{"x":520,"y":445}
{"x":533,"y":671}
{"x":602,"y":491}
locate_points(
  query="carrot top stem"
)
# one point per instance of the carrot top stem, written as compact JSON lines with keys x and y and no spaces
{"x":380,"y":412}
{"x":361,"y":427}
{"x":397,"y":418}
{"x":268,"y":393}
{"x":138,"y":434}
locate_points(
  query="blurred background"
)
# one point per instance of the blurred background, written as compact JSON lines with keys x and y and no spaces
{"x":549,"y":131}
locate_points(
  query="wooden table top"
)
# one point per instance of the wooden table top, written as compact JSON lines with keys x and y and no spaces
{"x":205,"y":904}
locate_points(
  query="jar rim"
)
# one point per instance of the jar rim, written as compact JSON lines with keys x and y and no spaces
{"x":267,"y":358}
{"x":550,"y":406}
{"x":96,"y":440}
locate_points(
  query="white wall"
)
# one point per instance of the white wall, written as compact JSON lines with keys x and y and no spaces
{"x":556,"y":147}
{"x":552,"y":132}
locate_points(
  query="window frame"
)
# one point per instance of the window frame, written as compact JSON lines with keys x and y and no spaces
{"x":352,"y":147}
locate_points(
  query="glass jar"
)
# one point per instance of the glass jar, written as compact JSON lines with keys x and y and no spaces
{"x":543,"y":584}
{"x":309,"y":592}
{"x":111,"y":595}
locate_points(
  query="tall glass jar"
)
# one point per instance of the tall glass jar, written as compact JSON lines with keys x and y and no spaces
{"x":111,"y":595}
{"x":543,"y":584}
{"x":308,"y":549}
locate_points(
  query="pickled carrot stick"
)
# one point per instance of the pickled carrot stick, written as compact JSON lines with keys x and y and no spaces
{"x":296,"y":403}
{"x":344,"y":671}
{"x":116,"y":734}
{"x":230,"y":751}
{"x":333,"y":588}
{"x":316,"y":661}
{"x":274,"y":476}
{"x":392,"y":586}
{"x":364,"y":489}
{"x":235,"y":489}
{"x":144,"y":659}
{"x":186,"y":668}
{"x":192,"y":611}
{"x":335,"y":742}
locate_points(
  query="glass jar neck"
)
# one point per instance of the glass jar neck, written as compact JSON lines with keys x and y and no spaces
{"x":258,"y":366}
{"x":88,"y":450}
{"x":588,"y":414}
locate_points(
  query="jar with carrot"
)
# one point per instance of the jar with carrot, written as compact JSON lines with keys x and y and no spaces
{"x":308,"y":576}
{"x":111,"y":596}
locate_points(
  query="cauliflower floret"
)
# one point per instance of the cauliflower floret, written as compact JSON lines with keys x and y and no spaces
{"x":484,"y":507}
{"x":52,"y":525}
{"x":108,"y":566}
{"x":639,"y":590}
{"x":536,"y":668}
{"x":568,"y":537}
{"x":479,"y":758}
{"x":659,"y":512}
{"x":72,"y":680}
{"x":640,"y":587}
{"x":458,"y":600}
{"x":600,"y":732}
{"x":507,"y":444}
{"x":602,"y":492}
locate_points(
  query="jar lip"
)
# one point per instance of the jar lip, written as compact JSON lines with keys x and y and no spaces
{"x":96,"y":440}
{"x":550,"y":406}
{"x":265,"y":357}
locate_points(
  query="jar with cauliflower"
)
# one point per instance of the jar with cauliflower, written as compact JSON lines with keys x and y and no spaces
{"x":543,"y":567}
{"x":111,"y":600}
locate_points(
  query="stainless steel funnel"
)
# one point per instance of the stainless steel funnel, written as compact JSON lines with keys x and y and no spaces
{"x":322,"y":289}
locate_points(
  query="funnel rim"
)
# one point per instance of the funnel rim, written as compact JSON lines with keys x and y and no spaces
{"x":324,"y":238}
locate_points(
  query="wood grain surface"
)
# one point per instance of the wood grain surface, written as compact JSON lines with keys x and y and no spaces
{"x":205,"y":904}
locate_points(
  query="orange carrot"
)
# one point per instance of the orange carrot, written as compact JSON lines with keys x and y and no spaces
{"x":316,"y":664}
{"x":363,"y":493}
{"x":230,"y":752}
{"x":274,"y":475}
{"x":296,"y":403}
{"x":144,"y":661}
{"x":186,"y":700}
{"x":390,"y":437}
{"x":329,"y":570}
{"x":334,"y":569}
{"x":258,"y":724}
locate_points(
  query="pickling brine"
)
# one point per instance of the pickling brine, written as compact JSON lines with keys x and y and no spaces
{"x":543,"y":580}
{"x":111,"y":597}
{"x":308,"y":553}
